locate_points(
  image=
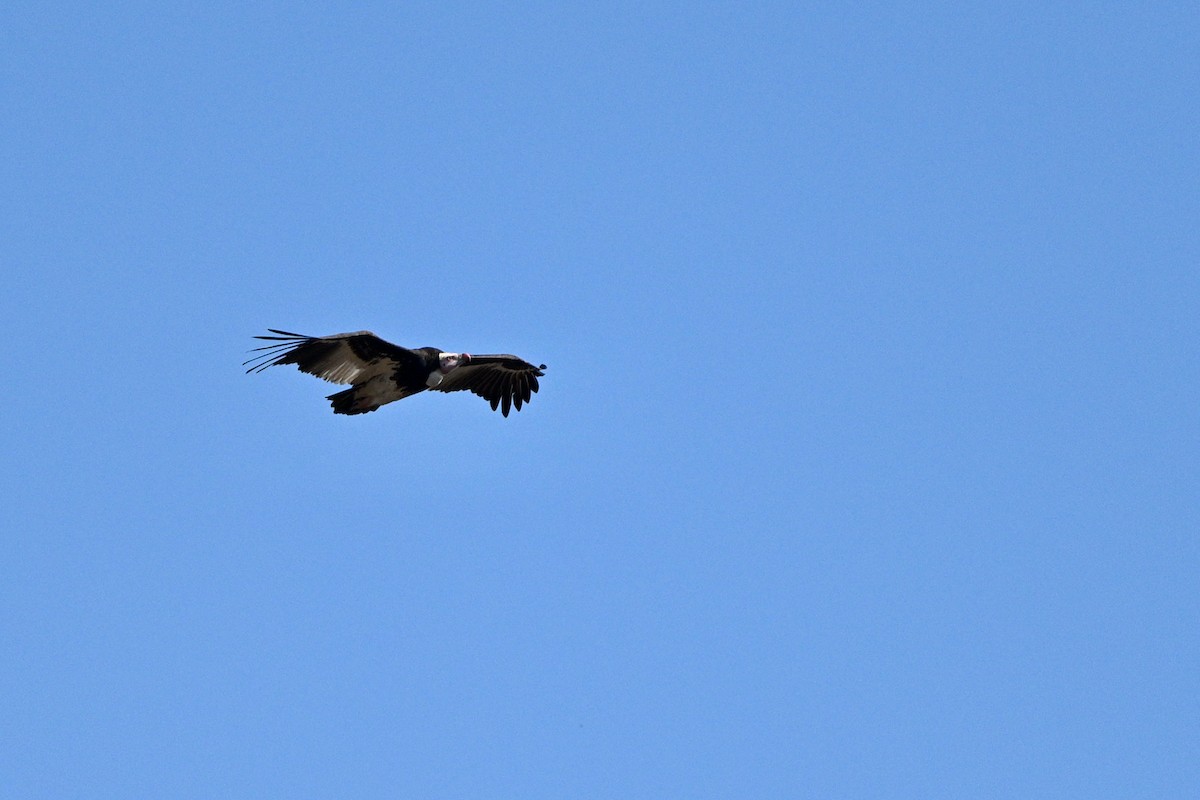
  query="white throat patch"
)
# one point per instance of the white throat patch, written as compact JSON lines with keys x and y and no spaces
{"x":434,"y":378}
{"x":447,"y":362}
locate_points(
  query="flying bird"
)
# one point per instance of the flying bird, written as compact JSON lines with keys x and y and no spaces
{"x":380,"y":372}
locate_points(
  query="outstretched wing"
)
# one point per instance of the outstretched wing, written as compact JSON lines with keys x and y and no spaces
{"x":502,"y":380}
{"x":342,"y":358}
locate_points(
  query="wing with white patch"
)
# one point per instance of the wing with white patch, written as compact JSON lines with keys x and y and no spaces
{"x":342,"y":358}
{"x":502,"y":380}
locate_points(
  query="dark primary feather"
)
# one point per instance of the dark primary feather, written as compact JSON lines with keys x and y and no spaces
{"x":341,"y":358}
{"x":502,"y":380}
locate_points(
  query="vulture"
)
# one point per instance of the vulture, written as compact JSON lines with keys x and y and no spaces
{"x":379,"y":372}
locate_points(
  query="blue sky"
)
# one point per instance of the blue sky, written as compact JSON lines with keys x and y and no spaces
{"x":866,"y":462}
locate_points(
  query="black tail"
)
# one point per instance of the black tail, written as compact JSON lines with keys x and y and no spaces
{"x":346,"y":402}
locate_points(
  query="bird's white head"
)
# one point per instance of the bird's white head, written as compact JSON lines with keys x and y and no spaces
{"x":448,"y":362}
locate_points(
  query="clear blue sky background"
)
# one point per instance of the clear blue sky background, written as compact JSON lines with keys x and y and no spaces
{"x":867,"y":463}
